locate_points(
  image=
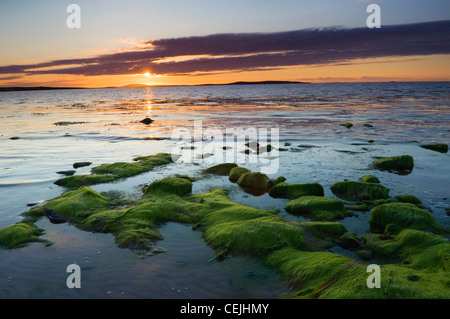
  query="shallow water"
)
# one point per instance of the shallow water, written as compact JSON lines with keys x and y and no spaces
{"x":57,"y":128}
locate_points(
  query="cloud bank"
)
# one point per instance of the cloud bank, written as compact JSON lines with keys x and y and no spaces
{"x":255,"y":51}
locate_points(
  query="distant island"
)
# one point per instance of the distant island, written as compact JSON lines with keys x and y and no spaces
{"x":259,"y":82}
{"x":38,"y":88}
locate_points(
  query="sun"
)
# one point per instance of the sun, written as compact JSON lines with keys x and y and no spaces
{"x":147,"y":74}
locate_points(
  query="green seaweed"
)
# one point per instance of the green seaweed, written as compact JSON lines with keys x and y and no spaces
{"x":347,"y":125}
{"x":318,"y":208}
{"x":76,"y":181}
{"x":256,"y":236}
{"x":237,"y":172}
{"x":391,"y":218}
{"x":291,"y":191}
{"x":409,"y":199}
{"x":370,"y":179}
{"x":402,"y":163}
{"x":220,"y":169}
{"x":441,"y":148}
{"x":77,"y":204}
{"x":279,"y":179}
{"x":107,"y":173}
{"x":324,"y":230}
{"x":331,"y":276}
{"x":358,"y":191}
{"x":255,"y":180}
{"x":18,"y":235}
{"x":172,"y":185}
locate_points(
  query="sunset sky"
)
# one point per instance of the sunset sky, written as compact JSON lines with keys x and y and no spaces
{"x":206,"y":41}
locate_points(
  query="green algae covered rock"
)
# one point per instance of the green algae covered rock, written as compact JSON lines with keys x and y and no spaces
{"x":220,"y":169}
{"x":350,"y":241}
{"x":256,"y":236}
{"x":395,"y":163}
{"x":441,"y":148}
{"x":393,"y":217}
{"x":81,"y":164}
{"x":358,"y":191}
{"x":307,"y":271}
{"x":76,"y":181}
{"x":410,"y":243}
{"x":324,"y":230}
{"x":279,"y":179}
{"x":370,"y":179}
{"x":409,"y":199}
{"x":318,"y":208}
{"x":237,"y":172}
{"x":330,"y":276}
{"x":347,"y":125}
{"x":18,"y":235}
{"x":291,"y":191}
{"x":173,"y":185}
{"x":107,"y":173}
{"x":77,"y":204}
{"x":255,"y":180}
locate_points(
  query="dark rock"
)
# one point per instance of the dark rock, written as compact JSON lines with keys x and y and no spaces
{"x":66,"y":173}
{"x":54,"y":217}
{"x":447,"y":211}
{"x":81,"y":164}
{"x":347,"y":125}
{"x":35,"y":203}
{"x":147,"y":121}
{"x":349,"y":241}
{"x":441,"y":148}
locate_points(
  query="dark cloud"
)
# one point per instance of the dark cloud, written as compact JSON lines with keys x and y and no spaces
{"x":253,"y":51}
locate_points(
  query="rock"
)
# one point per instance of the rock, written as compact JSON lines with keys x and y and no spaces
{"x":441,"y":148}
{"x":252,"y":145}
{"x":370,"y":179}
{"x":172,"y":185}
{"x":18,"y":235}
{"x":347,"y":125}
{"x":393,"y":217}
{"x":367,"y":125}
{"x":220,"y":169}
{"x":81,"y":164}
{"x":350,"y":241}
{"x":264,"y":149}
{"x":328,"y":231}
{"x":359,"y":191}
{"x":236,"y":173}
{"x":255,"y":180}
{"x":318,"y":208}
{"x":54,"y":217}
{"x":395,"y":163}
{"x":291,"y":191}
{"x":146,"y":121}
{"x":66,"y":173}
{"x":279,"y":179}
{"x":408,"y":199}
{"x":36,"y":203}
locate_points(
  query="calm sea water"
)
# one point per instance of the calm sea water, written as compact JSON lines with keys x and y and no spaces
{"x":43,"y":132}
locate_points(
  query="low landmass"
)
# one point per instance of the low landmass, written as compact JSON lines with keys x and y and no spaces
{"x":38,"y":88}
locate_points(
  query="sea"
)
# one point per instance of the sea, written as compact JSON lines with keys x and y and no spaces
{"x":43,"y":132}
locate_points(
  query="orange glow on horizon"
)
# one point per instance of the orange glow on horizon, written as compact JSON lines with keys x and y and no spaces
{"x":414,"y":68}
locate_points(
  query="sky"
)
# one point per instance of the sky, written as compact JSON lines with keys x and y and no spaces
{"x":175,"y":42}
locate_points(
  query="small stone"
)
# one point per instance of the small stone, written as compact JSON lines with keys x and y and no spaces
{"x":81,"y":164}
{"x":146,"y":121}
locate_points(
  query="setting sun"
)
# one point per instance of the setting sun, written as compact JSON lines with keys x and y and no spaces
{"x":147,"y":74}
